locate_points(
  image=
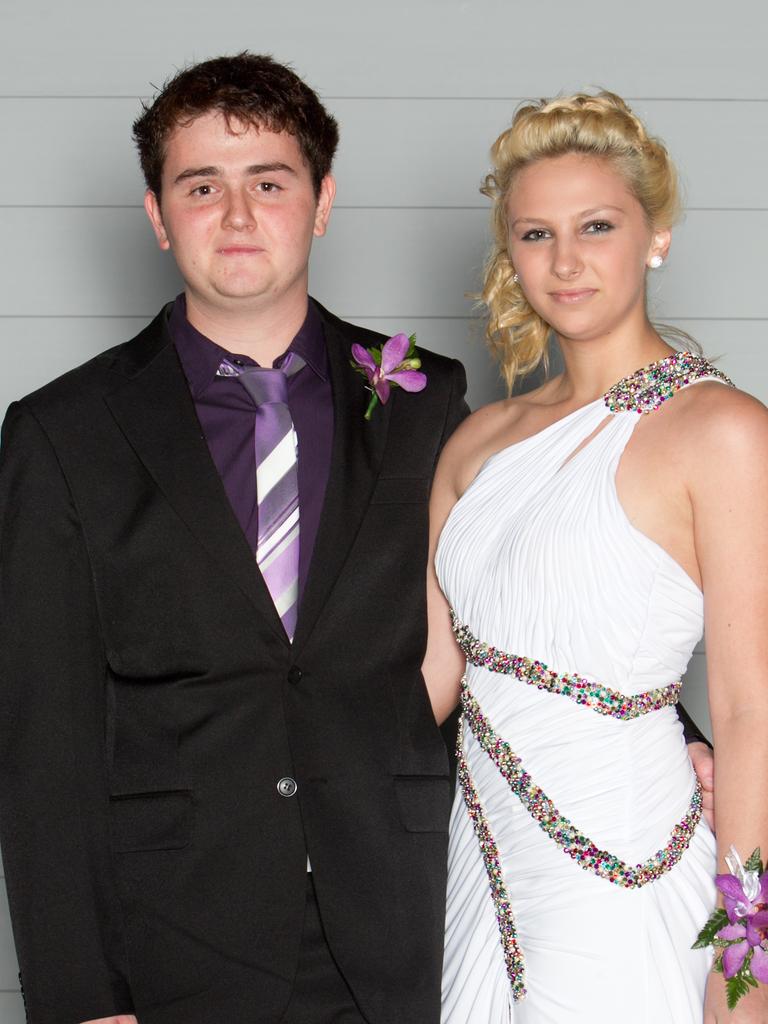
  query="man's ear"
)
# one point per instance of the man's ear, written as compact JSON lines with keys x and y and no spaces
{"x":152,"y":206}
{"x":324,"y":204}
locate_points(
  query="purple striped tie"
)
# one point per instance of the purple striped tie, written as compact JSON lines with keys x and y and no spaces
{"x":277,"y":490}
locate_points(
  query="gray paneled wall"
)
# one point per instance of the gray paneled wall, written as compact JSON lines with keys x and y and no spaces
{"x":421,"y":89}
{"x":415,"y":262}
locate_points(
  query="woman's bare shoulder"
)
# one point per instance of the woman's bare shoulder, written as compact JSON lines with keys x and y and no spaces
{"x":719,"y":430}
{"x":712,"y":411}
{"x":489,"y":420}
{"x":480,"y":428}
{"x":481,"y":423}
{"x":479,"y":436}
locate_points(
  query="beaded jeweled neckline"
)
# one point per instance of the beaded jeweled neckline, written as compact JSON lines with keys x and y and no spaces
{"x":645,"y":390}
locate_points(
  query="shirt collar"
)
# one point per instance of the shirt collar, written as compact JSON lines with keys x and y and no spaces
{"x":200,"y":357}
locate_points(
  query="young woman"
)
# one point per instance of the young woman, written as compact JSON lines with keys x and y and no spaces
{"x":587,"y":532}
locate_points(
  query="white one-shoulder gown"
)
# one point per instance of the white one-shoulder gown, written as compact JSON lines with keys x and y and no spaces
{"x":574,"y":775}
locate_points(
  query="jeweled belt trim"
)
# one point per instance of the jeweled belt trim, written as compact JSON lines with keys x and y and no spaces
{"x":505,"y":918}
{"x":558,"y":827}
{"x":583,"y":691}
{"x":575,"y":844}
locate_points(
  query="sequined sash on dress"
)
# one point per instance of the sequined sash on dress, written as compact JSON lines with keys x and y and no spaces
{"x":560,"y":829}
{"x":583,"y":691}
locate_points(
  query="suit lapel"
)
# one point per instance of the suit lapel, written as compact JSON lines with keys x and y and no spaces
{"x":155,"y":411}
{"x":358,"y":448}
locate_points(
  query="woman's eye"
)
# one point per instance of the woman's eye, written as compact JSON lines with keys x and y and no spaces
{"x":598,"y":227}
{"x":535,"y":235}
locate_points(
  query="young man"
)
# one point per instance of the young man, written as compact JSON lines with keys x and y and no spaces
{"x":224,"y":797}
{"x":176,"y":740}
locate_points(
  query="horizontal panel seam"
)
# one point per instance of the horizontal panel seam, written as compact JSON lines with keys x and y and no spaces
{"x":343,"y":206}
{"x":356,"y":316}
{"x":389,"y":99}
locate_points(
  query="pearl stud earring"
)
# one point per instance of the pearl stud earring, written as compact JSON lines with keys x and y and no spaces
{"x":655,"y":262}
{"x":515,"y":279}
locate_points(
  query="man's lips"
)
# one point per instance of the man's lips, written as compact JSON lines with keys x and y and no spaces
{"x":239,"y":250}
{"x":573,"y":295}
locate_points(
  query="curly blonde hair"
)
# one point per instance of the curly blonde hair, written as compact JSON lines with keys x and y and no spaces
{"x":600,"y":125}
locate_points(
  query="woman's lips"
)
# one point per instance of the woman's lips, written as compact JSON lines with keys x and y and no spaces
{"x":573,"y":296}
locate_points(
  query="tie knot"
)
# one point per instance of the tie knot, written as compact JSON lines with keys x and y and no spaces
{"x":265,"y":386}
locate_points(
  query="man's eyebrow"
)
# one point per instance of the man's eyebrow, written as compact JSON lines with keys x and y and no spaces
{"x":213,"y":172}
{"x":268,"y":168}
{"x":197,"y":172}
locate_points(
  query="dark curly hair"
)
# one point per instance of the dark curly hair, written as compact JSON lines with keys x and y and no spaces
{"x":248,"y":87}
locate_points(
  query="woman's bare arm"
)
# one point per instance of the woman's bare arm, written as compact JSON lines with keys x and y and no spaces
{"x":729,"y":494}
{"x":443,"y":662}
{"x":459,"y":463}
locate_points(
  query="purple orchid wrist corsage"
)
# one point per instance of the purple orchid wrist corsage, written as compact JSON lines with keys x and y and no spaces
{"x":739,"y":931}
{"x":394,"y":364}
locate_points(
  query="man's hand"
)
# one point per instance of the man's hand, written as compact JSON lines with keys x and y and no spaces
{"x":703,"y":761}
{"x":122,"y":1019}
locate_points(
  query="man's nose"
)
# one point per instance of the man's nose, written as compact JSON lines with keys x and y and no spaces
{"x":238,"y":214}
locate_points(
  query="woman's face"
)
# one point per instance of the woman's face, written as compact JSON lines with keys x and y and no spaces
{"x":580,"y":244}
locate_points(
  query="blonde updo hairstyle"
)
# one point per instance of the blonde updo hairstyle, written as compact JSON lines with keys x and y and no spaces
{"x":600,"y":126}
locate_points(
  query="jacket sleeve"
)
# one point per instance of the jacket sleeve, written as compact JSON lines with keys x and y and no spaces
{"x":691,"y":731}
{"x":457,"y":409}
{"x":54,"y":802}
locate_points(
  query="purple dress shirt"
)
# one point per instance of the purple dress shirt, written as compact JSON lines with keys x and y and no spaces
{"x":225,"y":410}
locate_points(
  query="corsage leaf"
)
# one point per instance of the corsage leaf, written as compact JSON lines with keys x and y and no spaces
{"x":754,"y":863}
{"x":735,"y":988}
{"x":706,"y":937}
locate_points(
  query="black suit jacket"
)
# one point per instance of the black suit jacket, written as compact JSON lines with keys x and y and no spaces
{"x":150,"y":702}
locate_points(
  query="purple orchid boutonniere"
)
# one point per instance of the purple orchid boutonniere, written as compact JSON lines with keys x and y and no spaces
{"x":394,"y":364}
{"x":739,"y":932}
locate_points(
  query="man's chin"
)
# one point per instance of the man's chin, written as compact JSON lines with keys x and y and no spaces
{"x":242,"y":293}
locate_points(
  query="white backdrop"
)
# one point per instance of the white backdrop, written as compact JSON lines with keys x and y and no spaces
{"x":421,"y":88}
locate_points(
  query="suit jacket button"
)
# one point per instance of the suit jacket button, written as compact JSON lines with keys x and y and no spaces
{"x":287,"y":787}
{"x":294,"y":675}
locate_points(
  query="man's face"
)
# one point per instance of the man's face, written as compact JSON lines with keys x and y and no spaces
{"x":239,"y":213}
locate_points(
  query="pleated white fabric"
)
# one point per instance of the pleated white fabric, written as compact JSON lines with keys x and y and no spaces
{"x":539,"y":559}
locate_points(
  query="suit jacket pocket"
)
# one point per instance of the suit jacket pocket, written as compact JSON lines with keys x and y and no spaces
{"x":151,"y":821}
{"x":424,"y":802}
{"x":391,"y":490}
